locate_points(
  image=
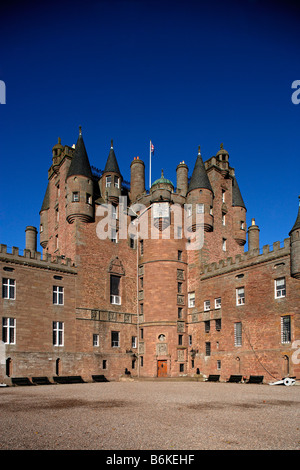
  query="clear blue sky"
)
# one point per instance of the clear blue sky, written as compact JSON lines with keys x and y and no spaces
{"x":182,"y":73}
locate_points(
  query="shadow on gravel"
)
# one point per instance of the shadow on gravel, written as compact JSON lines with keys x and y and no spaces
{"x":62,"y":404}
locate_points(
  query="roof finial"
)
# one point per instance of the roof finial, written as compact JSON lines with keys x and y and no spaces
{"x":221,"y":146}
{"x":111,"y":144}
{"x":199,"y":152}
{"x":80,"y":130}
{"x":162,"y":173}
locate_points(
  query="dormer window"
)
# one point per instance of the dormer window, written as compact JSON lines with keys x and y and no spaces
{"x":108,"y":182}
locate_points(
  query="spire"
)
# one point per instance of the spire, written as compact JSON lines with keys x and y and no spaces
{"x":237,"y":199}
{"x":80,"y":164}
{"x":296,"y":225}
{"x":199,"y":177}
{"x":112,"y":164}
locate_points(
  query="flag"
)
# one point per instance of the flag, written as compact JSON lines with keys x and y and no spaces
{"x":152,"y":147}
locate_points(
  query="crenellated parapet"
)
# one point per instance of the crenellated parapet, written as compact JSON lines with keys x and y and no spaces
{"x":35,"y":259}
{"x":248,"y":259}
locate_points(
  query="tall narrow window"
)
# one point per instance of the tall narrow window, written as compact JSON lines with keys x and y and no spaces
{"x":191,"y":299}
{"x":207,"y":348}
{"x":58,"y":295}
{"x":8,"y":288}
{"x":240,"y":296}
{"x":286,"y":329}
{"x":115,"y":339}
{"x":95,"y":340}
{"x":179,"y":255}
{"x":9,"y":330}
{"x":218,"y":302}
{"x":238,"y":334}
{"x":142,"y":247}
{"x":280,"y":289}
{"x":75,"y":196}
{"x":206,"y":305}
{"x":116,"y":179}
{"x":108,"y":182}
{"x":58,"y":333}
{"x":224,"y":244}
{"x":115,"y":297}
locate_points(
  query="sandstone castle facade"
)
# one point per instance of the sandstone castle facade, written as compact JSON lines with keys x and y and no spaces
{"x":148,"y":305}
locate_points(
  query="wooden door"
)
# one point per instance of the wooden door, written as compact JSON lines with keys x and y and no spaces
{"x":161,"y":368}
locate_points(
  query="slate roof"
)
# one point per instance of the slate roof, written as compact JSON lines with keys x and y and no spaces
{"x":80,"y":164}
{"x":112,"y":164}
{"x":296,"y":225}
{"x":199,"y":177}
{"x":237,"y":199}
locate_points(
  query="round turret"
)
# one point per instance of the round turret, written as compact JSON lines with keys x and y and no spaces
{"x":182,"y":178}
{"x":295,"y":247}
{"x":161,"y":189}
{"x":137,"y":180}
{"x":253,"y":236}
{"x":239,"y":214}
{"x":111,"y":181}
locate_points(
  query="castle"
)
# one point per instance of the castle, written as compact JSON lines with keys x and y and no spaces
{"x":104,"y":301}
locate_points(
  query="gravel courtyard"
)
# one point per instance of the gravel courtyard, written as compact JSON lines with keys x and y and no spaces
{"x":150,"y":415}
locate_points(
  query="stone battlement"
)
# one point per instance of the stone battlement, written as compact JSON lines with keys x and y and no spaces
{"x":57,"y":263}
{"x":249,"y":258}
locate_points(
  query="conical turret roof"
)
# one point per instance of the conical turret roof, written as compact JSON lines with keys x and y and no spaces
{"x":112,"y":164}
{"x":237,"y":199}
{"x":296,"y":225}
{"x":80,"y":164}
{"x":199,"y":177}
{"x":46,"y":201}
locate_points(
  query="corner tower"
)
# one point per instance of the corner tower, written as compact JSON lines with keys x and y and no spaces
{"x":295,"y":247}
{"x":79,"y":186}
{"x":111,"y":181}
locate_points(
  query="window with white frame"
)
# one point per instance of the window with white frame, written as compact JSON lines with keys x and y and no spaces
{"x":134,"y":342}
{"x":240,"y":296}
{"x":218,"y":302}
{"x":9,"y":330}
{"x":206,"y":305}
{"x":191,"y":299}
{"x":200,"y":208}
{"x":116,"y":179}
{"x":280,"y":289}
{"x":238,"y":334}
{"x":108,"y":181}
{"x":75,"y":196}
{"x":115,"y":297}
{"x":286,"y":329}
{"x":95,"y":339}
{"x":223,"y":218}
{"x":224,"y":244}
{"x":58,"y":295}
{"x":8,"y":288}
{"x":58,"y":333}
{"x":223,"y":195}
{"x":115,"y":339}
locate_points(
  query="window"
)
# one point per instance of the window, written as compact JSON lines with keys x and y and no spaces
{"x":223,"y":218}
{"x":280,"y":290}
{"x":191,"y":299}
{"x":207,"y":349}
{"x":115,"y":297}
{"x":58,"y":295}
{"x":238,"y":334}
{"x":218,"y":302}
{"x":95,"y":340}
{"x":116,"y":182}
{"x":142,"y":247}
{"x":181,"y":367}
{"x":75,"y":196}
{"x":190,"y":340}
{"x":104,"y":364}
{"x":179,"y":255}
{"x":58,"y":333}
{"x":179,"y":287}
{"x":218,"y":324}
{"x":114,"y":213}
{"x":142,"y":333}
{"x":88,"y":198}
{"x":8,"y":288}
{"x":207,"y":326}
{"x":223,"y":195}
{"x":108,"y":182}
{"x":218,"y":364}
{"x":115,"y":339}
{"x":133,"y":341}
{"x":224,"y":244}
{"x":200,"y":208}
{"x":9,"y":330}
{"x":206,"y":305}
{"x":141,"y":309}
{"x":142,"y":361}
{"x":242,"y":225}
{"x":180,"y":340}
{"x":114,"y":236}
{"x":240,"y":296}
{"x":286,"y":329}
{"x":180,"y":309}
{"x":141,"y":282}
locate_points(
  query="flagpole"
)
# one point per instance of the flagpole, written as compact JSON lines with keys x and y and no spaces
{"x":150,"y":169}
